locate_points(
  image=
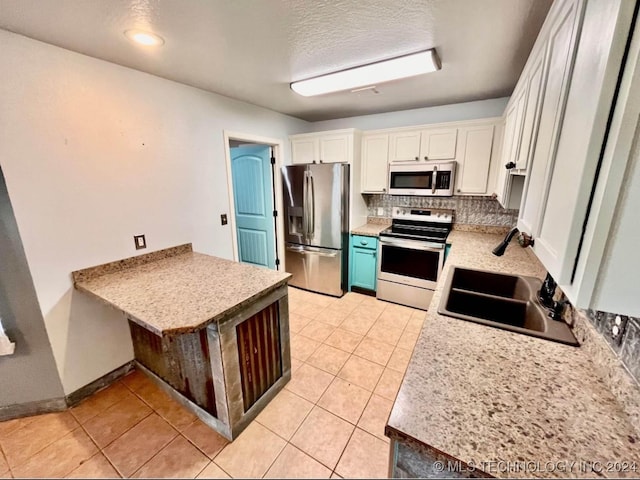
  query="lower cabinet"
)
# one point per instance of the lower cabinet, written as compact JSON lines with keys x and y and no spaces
{"x":363,"y":262}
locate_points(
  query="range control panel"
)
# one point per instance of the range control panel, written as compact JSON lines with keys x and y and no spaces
{"x":423,"y":214}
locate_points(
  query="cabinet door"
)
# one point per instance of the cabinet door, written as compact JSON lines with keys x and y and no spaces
{"x":475,"y":159}
{"x":438,"y":144}
{"x":531,"y":104}
{"x":335,"y":148}
{"x":553,"y":94}
{"x":504,"y":178}
{"x":404,"y":146}
{"x":375,"y":153}
{"x":363,"y":268}
{"x":304,"y":150}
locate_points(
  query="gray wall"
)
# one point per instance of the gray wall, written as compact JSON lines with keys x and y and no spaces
{"x":30,"y":374}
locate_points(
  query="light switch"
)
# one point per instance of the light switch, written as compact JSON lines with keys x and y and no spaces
{"x":140,"y":242}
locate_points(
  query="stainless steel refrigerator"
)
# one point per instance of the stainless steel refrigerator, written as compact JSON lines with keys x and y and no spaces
{"x":316,"y":216}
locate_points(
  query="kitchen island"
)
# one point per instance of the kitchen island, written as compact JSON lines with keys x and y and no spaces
{"x":482,"y":401}
{"x":211,"y":332}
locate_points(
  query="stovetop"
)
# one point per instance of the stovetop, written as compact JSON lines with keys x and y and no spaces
{"x":429,"y":225}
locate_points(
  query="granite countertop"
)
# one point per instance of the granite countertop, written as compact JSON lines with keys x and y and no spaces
{"x":179,"y":292}
{"x":482,"y":394}
{"x":370,"y":229}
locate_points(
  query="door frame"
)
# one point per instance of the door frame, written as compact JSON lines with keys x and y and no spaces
{"x":277,"y":146}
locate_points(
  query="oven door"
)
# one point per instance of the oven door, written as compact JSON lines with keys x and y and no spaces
{"x":410,"y":262}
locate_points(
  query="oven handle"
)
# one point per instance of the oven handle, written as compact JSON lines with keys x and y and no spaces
{"x":418,"y":245}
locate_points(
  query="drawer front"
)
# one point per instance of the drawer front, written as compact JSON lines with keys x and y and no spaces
{"x":361,"y":241}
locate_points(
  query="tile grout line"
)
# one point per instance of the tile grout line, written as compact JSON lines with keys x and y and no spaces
{"x":6,"y":460}
{"x":46,"y":446}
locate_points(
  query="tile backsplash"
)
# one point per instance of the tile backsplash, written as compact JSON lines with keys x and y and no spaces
{"x":624,"y":341}
{"x":470,"y":210}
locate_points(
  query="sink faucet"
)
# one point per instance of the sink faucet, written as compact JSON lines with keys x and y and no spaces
{"x":524,"y":240}
{"x":499,"y":250}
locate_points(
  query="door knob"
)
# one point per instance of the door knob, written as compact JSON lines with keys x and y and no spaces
{"x":510,"y":165}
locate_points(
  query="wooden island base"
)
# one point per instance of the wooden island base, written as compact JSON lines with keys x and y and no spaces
{"x":213,"y":333}
{"x":226,"y":372}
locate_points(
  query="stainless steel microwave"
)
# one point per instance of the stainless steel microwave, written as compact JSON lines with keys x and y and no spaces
{"x":433,"y":178}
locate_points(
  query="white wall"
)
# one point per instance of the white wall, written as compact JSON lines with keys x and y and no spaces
{"x":493,"y":107}
{"x":94,"y":153}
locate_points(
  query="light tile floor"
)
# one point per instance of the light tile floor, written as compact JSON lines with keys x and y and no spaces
{"x":348,"y":359}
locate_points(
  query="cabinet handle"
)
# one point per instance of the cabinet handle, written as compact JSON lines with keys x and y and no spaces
{"x":510,"y":166}
{"x":426,"y":157}
{"x":417,"y":158}
{"x":384,"y":189}
{"x":363,"y":242}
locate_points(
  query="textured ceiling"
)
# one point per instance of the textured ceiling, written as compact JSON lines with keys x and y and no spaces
{"x":252,"y":49}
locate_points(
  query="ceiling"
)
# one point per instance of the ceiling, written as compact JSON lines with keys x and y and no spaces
{"x":252,"y":49}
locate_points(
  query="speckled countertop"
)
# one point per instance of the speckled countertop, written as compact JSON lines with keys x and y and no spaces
{"x":370,"y":229}
{"x":482,"y":394}
{"x":182,"y":292}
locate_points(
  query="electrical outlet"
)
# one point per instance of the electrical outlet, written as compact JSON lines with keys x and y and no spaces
{"x":223,"y":219}
{"x":380,"y":211}
{"x":140,"y":242}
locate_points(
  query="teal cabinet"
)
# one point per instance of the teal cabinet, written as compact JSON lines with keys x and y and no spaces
{"x":363,"y":262}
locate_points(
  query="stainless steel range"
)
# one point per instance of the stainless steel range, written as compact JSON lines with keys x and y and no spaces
{"x":411,"y":255}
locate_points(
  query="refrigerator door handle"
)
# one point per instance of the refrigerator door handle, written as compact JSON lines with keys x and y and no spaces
{"x":312,"y":207}
{"x":305,"y":204}
{"x":296,"y":249}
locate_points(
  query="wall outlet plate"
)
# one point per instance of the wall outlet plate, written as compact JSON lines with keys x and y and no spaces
{"x":223,"y":219}
{"x":140,"y":242}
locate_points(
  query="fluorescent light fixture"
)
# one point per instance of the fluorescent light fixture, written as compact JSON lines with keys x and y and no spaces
{"x":147,"y":39}
{"x":371,"y":74}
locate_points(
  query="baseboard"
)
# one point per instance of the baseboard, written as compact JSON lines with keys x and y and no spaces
{"x":74,"y":398}
{"x":364,"y":291}
{"x":40,"y":407}
{"x":32,"y":408}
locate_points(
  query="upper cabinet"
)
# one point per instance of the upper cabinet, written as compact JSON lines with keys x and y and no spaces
{"x":556,"y":127}
{"x":375,"y":154}
{"x":325,"y":147}
{"x":438,"y":144}
{"x":404,"y":146}
{"x":473,"y":144}
{"x":421,"y":145}
{"x":475,"y":147}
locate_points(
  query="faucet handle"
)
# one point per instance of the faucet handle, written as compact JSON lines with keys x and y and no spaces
{"x":525,"y":240}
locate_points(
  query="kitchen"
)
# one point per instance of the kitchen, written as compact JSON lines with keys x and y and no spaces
{"x":110,"y":146}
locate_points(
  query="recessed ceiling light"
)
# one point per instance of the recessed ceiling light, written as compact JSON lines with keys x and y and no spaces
{"x":371,"y":74}
{"x":147,"y":39}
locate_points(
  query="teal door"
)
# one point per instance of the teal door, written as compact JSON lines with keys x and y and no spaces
{"x":253,"y":197}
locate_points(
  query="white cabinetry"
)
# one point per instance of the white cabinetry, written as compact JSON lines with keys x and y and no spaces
{"x":438,"y":144}
{"x":404,"y":146}
{"x":421,"y":145}
{"x":568,"y":87}
{"x":473,"y":144}
{"x":332,"y":147}
{"x":375,"y":152}
{"x":474,"y":154}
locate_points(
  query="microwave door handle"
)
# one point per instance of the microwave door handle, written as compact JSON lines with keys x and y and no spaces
{"x":434,"y":179}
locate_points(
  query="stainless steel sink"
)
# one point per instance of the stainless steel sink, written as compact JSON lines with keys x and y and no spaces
{"x":502,"y":301}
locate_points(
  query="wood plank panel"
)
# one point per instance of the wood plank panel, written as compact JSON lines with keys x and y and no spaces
{"x":259,"y":353}
{"x":182,"y":361}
